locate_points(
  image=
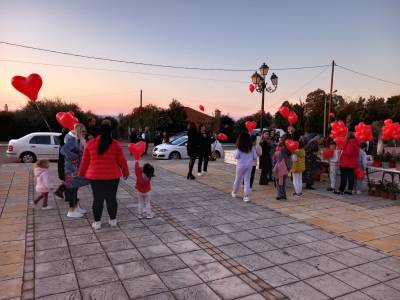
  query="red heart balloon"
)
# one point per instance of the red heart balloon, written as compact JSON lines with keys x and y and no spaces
{"x":250,"y":125}
{"x":292,"y":117}
{"x":222,"y":136}
{"x":251,"y":88}
{"x":201,"y":107}
{"x":67,"y":119}
{"x":291,"y":145}
{"x":29,"y":86}
{"x":359,"y":173}
{"x":327,"y":153}
{"x":137,"y":149}
{"x":284,"y":111}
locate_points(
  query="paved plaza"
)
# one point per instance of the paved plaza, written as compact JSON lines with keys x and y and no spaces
{"x":202,"y":244}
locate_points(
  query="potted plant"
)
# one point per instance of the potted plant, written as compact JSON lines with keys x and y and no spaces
{"x":378,"y":161}
{"x":397,"y":161}
{"x":372,"y":188}
{"x":387,"y":157}
{"x":392,"y":190}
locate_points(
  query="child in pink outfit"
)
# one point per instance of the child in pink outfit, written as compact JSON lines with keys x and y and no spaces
{"x":43,"y":187}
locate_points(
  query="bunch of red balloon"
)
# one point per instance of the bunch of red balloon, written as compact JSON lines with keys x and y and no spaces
{"x":67,"y":119}
{"x":363,"y":132}
{"x":291,"y":145}
{"x":338,"y":133}
{"x":390,"y":130}
{"x":288,"y":114}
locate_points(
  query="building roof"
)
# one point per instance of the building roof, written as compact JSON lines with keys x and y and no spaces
{"x":196,"y":116}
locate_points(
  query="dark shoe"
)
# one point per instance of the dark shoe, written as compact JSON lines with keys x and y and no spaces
{"x":59,"y":194}
{"x":278,"y":198}
{"x":348,"y":193}
{"x":192,"y":177}
{"x":336,"y":192}
{"x":329,"y":189}
{"x":309,"y":188}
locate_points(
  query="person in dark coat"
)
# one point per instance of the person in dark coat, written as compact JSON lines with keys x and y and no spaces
{"x":205,"y":142}
{"x":60,"y":165}
{"x":192,"y":147}
{"x":311,"y":149}
{"x":133,"y":137}
{"x":91,"y":129}
{"x":292,"y":133}
{"x":266,"y":158}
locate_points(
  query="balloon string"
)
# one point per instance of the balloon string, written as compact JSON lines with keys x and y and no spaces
{"x":43,"y":118}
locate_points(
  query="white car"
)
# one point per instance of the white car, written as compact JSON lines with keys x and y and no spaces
{"x":34,"y":146}
{"x":177,"y":149}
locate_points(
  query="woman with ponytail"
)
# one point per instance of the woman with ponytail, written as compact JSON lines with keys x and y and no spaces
{"x":103,"y":163}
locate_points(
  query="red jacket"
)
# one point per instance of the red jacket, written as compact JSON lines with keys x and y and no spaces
{"x":107,"y":166}
{"x":142,"y":184}
{"x":350,"y":153}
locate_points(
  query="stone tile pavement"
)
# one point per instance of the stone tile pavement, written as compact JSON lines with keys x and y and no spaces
{"x":202,"y":244}
{"x":372,"y":221}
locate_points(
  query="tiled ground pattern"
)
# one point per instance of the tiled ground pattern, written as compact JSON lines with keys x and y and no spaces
{"x":368,"y":220}
{"x":201,"y":245}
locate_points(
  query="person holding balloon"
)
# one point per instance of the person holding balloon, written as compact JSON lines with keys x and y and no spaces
{"x":360,"y":171}
{"x":103,"y":164}
{"x":348,"y":164}
{"x":298,"y":167}
{"x":311,"y":149}
{"x":283,"y":158}
{"x":72,"y":152}
{"x":265,"y":164}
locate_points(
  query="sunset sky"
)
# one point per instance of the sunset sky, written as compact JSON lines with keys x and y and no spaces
{"x":363,"y":35}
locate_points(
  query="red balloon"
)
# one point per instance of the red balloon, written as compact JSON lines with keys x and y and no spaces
{"x":222,"y":136}
{"x":67,"y":119}
{"x":327,"y":153}
{"x":250,"y":125}
{"x":332,"y":115}
{"x":292,"y":117}
{"x":291,"y":145}
{"x":340,"y":142}
{"x":363,"y":132}
{"x":137,"y":149}
{"x":29,"y":86}
{"x":284,"y":111}
{"x":388,"y":122}
{"x":251,"y":87}
{"x":359,"y":173}
{"x":201,"y":107}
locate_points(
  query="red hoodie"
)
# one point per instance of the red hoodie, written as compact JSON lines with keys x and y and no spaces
{"x":350,"y":153}
{"x":142,"y":184}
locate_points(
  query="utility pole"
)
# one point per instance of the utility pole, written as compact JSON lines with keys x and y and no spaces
{"x":331,"y":89}
{"x":140,"y":108}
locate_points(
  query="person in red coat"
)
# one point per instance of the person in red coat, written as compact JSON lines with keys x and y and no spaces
{"x":348,"y":163}
{"x":103,"y":163}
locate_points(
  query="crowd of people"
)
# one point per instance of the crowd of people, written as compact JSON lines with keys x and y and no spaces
{"x":90,"y":156}
{"x":277,"y":163}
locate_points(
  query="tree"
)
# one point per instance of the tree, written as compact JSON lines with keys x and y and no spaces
{"x":314,"y":111}
{"x":227,"y":125}
{"x":393,"y":105}
{"x":177,"y":116}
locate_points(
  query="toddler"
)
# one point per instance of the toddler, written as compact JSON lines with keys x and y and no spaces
{"x":143,"y":188}
{"x":41,"y":172}
{"x":333,"y":166}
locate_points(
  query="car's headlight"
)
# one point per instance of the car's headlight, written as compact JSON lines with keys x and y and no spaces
{"x":163,"y":150}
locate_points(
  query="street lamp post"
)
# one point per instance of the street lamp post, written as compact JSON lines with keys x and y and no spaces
{"x":258,"y":79}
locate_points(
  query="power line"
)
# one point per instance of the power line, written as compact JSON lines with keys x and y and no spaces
{"x":151,"y":64}
{"x":120,"y":71}
{"x":367,"y":75}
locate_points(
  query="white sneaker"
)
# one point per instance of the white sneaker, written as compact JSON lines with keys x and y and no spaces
{"x":233,"y":195}
{"x":204,"y":173}
{"x":97,"y":225}
{"x":74,"y":214}
{"x":47,"y":207}
{"x":246,"y":199}
{"x":199,"y":174}
{"x":113,"y":223}
{"x":140,"y":216}
{"x":149,"y":216}
{"x":358,"y":192}
{"x":81,"y":210}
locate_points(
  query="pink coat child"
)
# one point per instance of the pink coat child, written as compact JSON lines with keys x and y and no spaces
{"x":43,"y":185}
